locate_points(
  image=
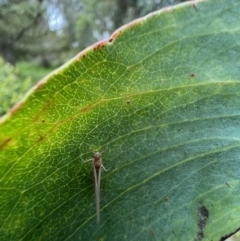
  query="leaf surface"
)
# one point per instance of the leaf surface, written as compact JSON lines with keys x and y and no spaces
{"x":161,"y":101}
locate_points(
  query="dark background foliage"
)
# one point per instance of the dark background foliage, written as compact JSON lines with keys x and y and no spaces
{"x":52,"y":31}
{"x":40,"y":35}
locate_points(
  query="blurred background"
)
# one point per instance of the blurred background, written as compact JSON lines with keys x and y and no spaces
{"x":37,"y":36}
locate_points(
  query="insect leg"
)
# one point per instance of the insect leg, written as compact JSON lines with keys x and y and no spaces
{"x":106,"y":170}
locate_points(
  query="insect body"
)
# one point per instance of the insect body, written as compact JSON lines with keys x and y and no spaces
{"x":97,"y":164}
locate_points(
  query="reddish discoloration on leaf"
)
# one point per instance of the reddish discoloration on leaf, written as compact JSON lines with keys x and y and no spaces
{"x":115,"y":34}
{"x":5,"y":142}
{"x":99,"y":45}
{"x":39,"y":85}
{"x":16,"y":107}
{"x":168,"y":9}
{"x":81,"y":56}
{"x":45,"y":107}
{"x":43,"y":137}
{"x":85,"y":109}
{"x":133,"y":23}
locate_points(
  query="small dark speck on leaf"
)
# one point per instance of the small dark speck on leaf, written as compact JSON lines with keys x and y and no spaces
{"x":227,"y":184}
{"x":43,"y":121}
{"x":194,"y":6}
{"x":166,"y":199}
{"x":98,"y":46}
{"x":41,"y":138}
{"x":110,"y":40}
{"x":152,"y":234}
{"x":192,"y":75}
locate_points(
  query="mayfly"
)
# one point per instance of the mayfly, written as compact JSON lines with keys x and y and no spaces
{"x":97,"y":164}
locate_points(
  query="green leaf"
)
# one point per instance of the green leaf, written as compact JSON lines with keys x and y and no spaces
{"x":161,"y":101}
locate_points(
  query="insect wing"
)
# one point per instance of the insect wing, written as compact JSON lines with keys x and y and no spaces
{"x":97,"y":178}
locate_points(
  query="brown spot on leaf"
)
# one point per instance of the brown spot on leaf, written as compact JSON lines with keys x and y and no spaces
{"x":5,"y":142}
{"x":227,"y":184}
{"x":192,"y":75}
{"x":166,"y":199}
{"x":40,"y":138}
{"x":43,"y":137}
{"x":116,"y":34}
{"x":100,"y":44}
{"x":203,"y":214}
{"x":85,"y":109}
{"x":152,"y":234}
{"x":45,"y":107}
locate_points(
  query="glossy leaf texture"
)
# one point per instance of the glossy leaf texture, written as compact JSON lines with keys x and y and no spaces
{"x":161,"y":101}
